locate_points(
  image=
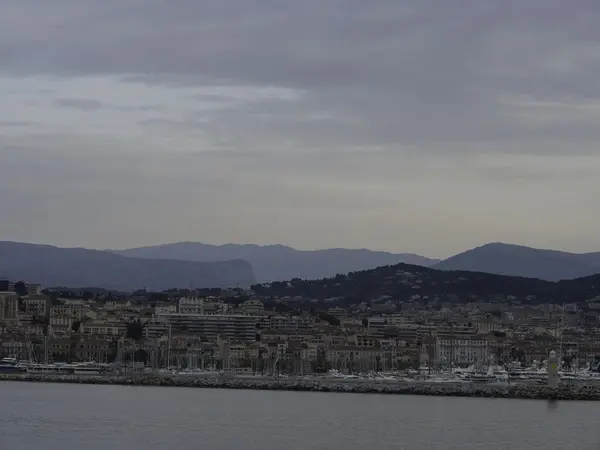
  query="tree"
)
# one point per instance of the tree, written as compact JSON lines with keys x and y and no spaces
{"x":21,"y":288}
{"x":332,"y":320}
{"x":281,"y":307}
{"x":321,"y":365}
{"x":141,"y":355}
{"x":135,"y":330}
{"x":75,"y":326}
{"x":158,"y":297}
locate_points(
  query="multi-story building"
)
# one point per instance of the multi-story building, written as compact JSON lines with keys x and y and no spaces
{"x":460,"y":349}
{"x":286,"y":322}
{"x":210,"y":326}
{"x":9,"y":306}
{"x":15,"y":348}
{"x":68,"y":349}
{"x":190,"y":305}
{"x":377,"y":325}
{"x":338,"y":313}
{"x":165,"y":308}
{"x":33,"y":289}
{"x":37,"y":305}
{"x":102,"y":330}
{"x":60,"y":325}
{"x":73,"y":310}
{"x":252,"y":307}
{"x":361,"y":359}
{"x":202,"y":305}
{"x":30,"y":288}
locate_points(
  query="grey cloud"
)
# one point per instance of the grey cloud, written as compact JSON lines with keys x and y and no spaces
{"x":407,"y":70}
{"x":396,"y":101}
{"x":16,"y":123}
{"x":172,"y":125}
{"x":130,"y":108}
{"x":79,"y":103}
{"x":213,"y":98}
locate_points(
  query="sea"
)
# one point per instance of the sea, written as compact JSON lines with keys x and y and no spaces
{"x":37,"y":416}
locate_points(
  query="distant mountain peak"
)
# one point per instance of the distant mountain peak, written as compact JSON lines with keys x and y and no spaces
{"x":519,"y":260}
{"x":276,"y":262}
{"x":76,"y":267}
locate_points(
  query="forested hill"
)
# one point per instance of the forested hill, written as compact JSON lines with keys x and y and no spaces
{"x":403,"y":282}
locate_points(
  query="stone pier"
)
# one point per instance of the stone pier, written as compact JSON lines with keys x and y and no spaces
{"x":520,"y":391}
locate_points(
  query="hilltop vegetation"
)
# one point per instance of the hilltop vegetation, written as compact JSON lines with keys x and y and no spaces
{"x":403,"y":283}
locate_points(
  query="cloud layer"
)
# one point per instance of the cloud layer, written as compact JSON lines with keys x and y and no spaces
{"x":402,"y":125}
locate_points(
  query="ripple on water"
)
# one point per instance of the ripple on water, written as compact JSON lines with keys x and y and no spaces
{"x":47,"y":416}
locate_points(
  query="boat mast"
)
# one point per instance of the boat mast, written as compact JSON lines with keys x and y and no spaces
{"x":45,"y":349}
{"x":169,"y":348}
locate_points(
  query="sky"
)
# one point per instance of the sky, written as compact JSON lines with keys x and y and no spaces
{"x":402,"y":125}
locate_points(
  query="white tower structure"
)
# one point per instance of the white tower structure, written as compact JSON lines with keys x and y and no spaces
{"x":552,"y":368}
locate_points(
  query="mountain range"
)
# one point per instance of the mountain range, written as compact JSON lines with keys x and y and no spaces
{"x":78,"y":267}
{"x":278,"y":262}
{"x":517,"y":260}
{"x":201,"y":265}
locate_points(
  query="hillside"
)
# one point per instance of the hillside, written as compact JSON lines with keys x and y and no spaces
{"x":404,"y":283}
{"x":77,"y":267}
{"x":278,"y":262}
{"x":515,"y":260}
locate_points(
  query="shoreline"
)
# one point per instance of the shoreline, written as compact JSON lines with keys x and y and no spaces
{"x":586,"y":392}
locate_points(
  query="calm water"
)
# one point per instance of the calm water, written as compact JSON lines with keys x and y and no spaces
{"x":62,"y":417}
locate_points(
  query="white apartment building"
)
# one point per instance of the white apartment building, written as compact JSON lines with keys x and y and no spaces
{"x":201,"y":305}
{"x":165,"y":308}
{"x":60,"y":325}
{"x":74,"y":310}
{"x":286,"y":322}
{"x":460,"y":349}
{"x":253,"y":307}
{"x":190,"y":305}
{"x":209,"y":326}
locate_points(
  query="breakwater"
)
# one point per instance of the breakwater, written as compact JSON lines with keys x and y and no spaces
{"x":521,"y":391}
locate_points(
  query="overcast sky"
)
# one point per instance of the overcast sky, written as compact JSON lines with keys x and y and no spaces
{"x":420,"y":126}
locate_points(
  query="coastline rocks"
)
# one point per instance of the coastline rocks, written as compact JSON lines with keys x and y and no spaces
{"x":521,"y":391}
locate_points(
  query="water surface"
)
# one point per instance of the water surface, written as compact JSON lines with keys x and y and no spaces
{"x":36,"y":416}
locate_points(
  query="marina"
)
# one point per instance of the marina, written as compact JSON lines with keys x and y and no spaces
{"x":497,"y":375}
{"x":12,"y":365}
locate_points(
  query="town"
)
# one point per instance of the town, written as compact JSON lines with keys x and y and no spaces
{"x":242,"y":331}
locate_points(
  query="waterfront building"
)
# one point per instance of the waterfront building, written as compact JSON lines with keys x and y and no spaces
{"x":460,"y":349}
{"x":209,"y":326}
